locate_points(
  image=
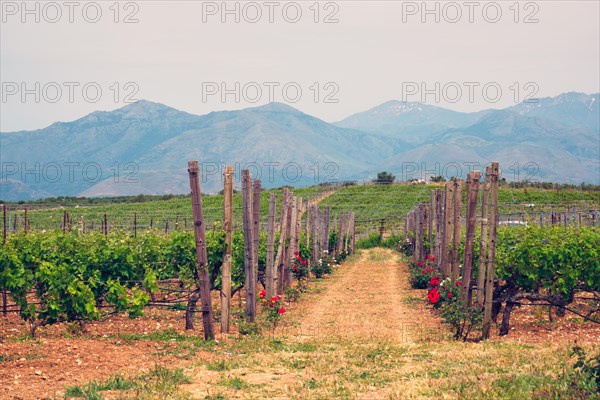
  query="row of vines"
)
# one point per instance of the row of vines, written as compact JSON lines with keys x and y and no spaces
{"x":64,"y":276}
{"x":480,"y":265}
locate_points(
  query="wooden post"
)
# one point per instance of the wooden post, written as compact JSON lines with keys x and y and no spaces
{"x":300,"y":212}
{"x":248,"y":245}
{"x":431,"y":220}
{"x":325,"y":230}
{"x":484,"y":239}
{"x":340,"y":237}
{"x":279,"y":264}
{"x":270,"y":268}
{"x":201,"y":274}
{"x":4,"y":230}
{"x":105,"y":225}
{"x":448,"y":228}
{"x":347,"y":232}
{"x":439,"y":226}
{"x":292,"y":246}
{"x":489,"y":279}
{"x":472,"y":193}
{"x":26,"y":225}
{"x":307,"y":227}
{"x":257,"y":187}
{"x":352,"y":231}
{"x":457,"y":227}
{"x":287,"y":250}
{"x":64,"y":221}
{"x":226,"y":267}
{"x":134,"y":224}
{"x":315,"y":234}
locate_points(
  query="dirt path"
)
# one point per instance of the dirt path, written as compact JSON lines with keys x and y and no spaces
{"x":365,"y":300}
{"x":349,"y":338}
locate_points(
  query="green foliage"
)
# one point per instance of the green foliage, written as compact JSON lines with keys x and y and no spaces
{"x":384,"y":178}
{"x":558,"y":260}
{"x":323,"y":265}
{"x":587,"y":370}
{"x":369,"y":242}
{"x":74,"y":275}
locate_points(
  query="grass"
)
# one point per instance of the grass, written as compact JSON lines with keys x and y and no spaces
{"x":177,"y":344}
{"x":161,"y":381}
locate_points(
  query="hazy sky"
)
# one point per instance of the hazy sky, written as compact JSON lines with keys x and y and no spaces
{"x":182,"y":54}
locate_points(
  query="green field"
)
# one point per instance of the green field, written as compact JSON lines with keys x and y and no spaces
{"x":371,"y":203}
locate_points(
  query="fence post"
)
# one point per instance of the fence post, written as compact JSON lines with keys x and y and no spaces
{"x":315,"y":235}
{"x":439,"y":226}
{"x":489,"y":280}
{"x":457,"y":226}
{"x":472,"y":193}
{"x":226,"y":267}
{"x":270,"y":268}
{"x":447,"y":229}
{"x":4,"y":224}
{"x":279,"y":259}
{"x":257,"y":188}
{"x":484,"y":238}
{"x":248,"y":245}
{"x":201,"y":274}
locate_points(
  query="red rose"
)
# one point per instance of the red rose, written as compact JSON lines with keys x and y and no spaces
{"x":420,"y":263}
{"x":458,"y":283}
{"x":450,"y":295}
{"x":296,"y":253}
{"x":281,"y":311}
{"x":299,"y":258}
{"x":433,"y":296}
{"x":434,"y":281}
{"x":304,"y":262}
{"x":431,"y":257}
{"x":262,"y":294}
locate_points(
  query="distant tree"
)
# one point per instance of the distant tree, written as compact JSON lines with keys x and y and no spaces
{"x":384,"y":178}
{"x":437,"y":179}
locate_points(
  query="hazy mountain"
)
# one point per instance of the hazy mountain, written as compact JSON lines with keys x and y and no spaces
{"x":144,"y":147}
{"x":411,"y":122}
{"x":572,"y":109}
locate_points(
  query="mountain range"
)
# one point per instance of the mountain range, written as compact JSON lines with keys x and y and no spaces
{"x":143,"y":147}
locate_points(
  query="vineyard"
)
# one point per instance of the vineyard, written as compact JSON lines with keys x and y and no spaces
{"x":254,"y":262}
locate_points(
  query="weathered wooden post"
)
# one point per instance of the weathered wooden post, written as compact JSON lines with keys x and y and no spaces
{"x":292,"y":245}
{"x":325,"y":230}
{"x":446,"y":260}
{"x":439,"y":226}
{"x":201,"y":273}
{"x":472,"y":193}
{"x":484,"y":238}
{"x":4,"y":230}
{"x":270,"y":267}
{"x":431,"y":220}
{"x":226,"y":267}
{"x":257,"y":188}
{"x":279,"y":260}
{"x":491,"y":259}
{"x":248,"y":246}
{"x":457,"y":226}
{"x":315,"y":234}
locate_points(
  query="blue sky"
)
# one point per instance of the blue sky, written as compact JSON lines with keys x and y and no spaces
{"x":329,"y":59}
